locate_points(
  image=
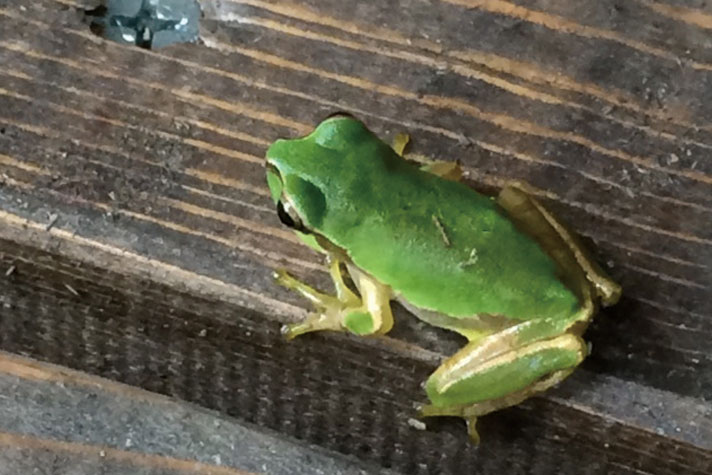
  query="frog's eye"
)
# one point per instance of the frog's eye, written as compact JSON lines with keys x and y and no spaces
{"x":288,"y":215}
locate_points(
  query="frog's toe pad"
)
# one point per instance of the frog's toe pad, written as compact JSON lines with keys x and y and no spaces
{"x":282,"y":277}
{"x":292,"y":330}
{"x":472,"y":430}
{"x":287,"y":331}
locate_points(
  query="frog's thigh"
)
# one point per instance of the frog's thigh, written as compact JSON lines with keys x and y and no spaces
{"x":561,"y":243}
{"x":468,"y":386}
{"x":465,"y":380}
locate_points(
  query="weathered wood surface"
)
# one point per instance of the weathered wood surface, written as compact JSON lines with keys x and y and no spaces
{"x":156,"y":268}
{"x":58,"y":421}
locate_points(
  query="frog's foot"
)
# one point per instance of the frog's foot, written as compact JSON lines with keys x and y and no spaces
{"x":582,"y":272}
{"x":428,"y":410}
{"x":400,"y":142}
{"x":345,"y":311}
{"x":502,"y":370}
{"x":448,"y":170}
{"x":325,"y":319}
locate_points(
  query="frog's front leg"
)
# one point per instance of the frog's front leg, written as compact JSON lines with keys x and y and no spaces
{"x":368,"y":314}
{"x":502,"y":370}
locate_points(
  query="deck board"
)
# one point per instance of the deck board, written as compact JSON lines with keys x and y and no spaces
{"x":80,"y":424}
{"x":156,"y":269}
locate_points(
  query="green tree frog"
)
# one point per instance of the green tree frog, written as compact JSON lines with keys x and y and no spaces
{"x":501,"y":271}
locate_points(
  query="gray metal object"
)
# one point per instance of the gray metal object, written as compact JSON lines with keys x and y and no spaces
{"x":147,"y":23}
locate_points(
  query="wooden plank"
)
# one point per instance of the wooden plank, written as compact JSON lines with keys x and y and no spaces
{"x":24,"y":454}
{"x":80,"y":424}
{"x":151,"y":163}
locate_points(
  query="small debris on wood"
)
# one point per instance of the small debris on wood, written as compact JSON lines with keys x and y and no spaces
{"x":71,"y":289}
{"x":9,"y":271}
{"x":52,"y":221}
{"x":416,"y":424}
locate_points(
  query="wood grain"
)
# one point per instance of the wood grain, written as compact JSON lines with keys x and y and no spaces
{"x":54,"y":420}
{"x":151,"y":162}
{"x":23,"y":454}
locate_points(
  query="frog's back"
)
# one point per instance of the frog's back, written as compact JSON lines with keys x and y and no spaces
{"x":439,"y":244}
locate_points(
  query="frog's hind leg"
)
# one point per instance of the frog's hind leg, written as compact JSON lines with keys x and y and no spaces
{"x":508,"y":366}
{"x":448,"y":170}
{"x":368,"y":314}
{"x":470,"y":413}
{"x":503,"y":369}
{"x":559,"y":242}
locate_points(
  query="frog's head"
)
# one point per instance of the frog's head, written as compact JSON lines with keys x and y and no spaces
{"x":301,"y":172}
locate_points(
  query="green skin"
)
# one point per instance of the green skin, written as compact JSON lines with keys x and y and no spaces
{"x":455,"y":258}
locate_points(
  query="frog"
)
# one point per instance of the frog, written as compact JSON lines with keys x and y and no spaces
{"x":499,"y":269}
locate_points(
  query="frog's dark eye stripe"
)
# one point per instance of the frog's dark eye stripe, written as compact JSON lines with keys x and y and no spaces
{"x":272,"y":168}
{"x":284,"y":216}
{"x":288,"y":216}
